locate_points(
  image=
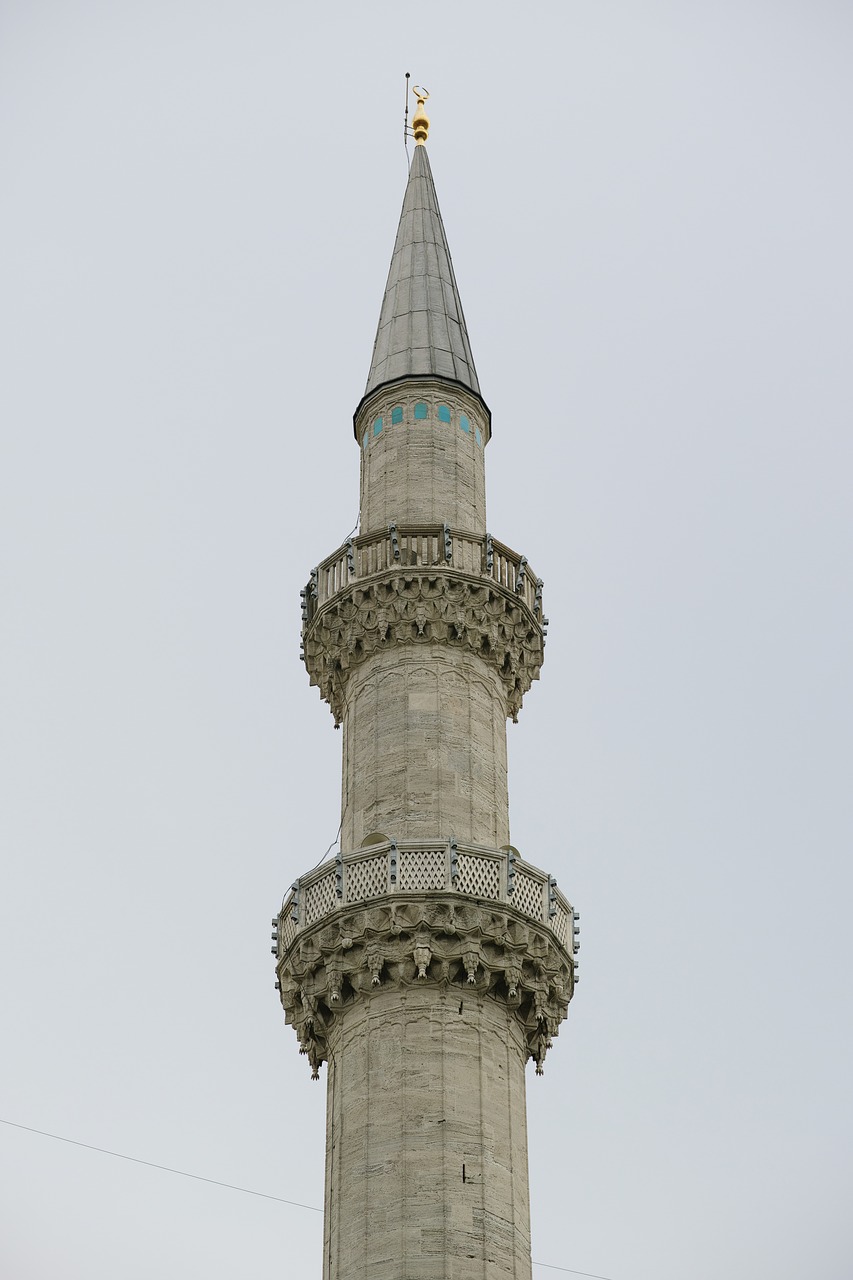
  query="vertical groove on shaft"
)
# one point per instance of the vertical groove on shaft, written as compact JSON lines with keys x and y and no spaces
{"x":365,"y":1160}
{"x":509,"y":1101}
{"x":481,"y":1167}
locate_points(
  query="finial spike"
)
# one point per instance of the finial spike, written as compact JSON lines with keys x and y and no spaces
{"x":420,"y":120}
{"x":406,"y":117}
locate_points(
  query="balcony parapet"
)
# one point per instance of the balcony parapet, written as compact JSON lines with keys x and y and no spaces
{"x":422,"y":584}
{"x":411,"y":866}
{"x":435,"y":546}
{"x":394,"y":915}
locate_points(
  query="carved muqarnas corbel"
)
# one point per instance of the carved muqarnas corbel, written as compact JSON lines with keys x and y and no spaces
{"x":422,"y":942}
{"x":430,"y":606}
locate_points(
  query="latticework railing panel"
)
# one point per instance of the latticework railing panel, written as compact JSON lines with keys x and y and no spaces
{"x":320,"y":898}
{"x":527,"y":896}
{"x":478,"y":875}
{"x":390,"y":868}
{"x":423,"y":869}
{"x":561,"y":923}
{"x":367,"y":878}
{"x":287,"y":931}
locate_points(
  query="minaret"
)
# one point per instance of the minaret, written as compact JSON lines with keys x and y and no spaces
{"x":428,"y":961}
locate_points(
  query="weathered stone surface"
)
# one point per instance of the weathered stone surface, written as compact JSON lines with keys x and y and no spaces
{"x":426,"y":607}
{"x":445,"y":941}
{"x":426,"y":1008}
{"x":422,"y":470}
{"x":426,"y":1146}
{"x":424,"y":747}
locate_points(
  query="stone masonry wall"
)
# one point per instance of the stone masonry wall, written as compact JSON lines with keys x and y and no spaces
{"x":426,"y":1140}
{"x":424,"y":751}
{"x":428,"y":467}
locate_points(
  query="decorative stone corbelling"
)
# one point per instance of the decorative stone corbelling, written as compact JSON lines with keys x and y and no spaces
{"x":423,"y":606}
{"x":424,"y":940}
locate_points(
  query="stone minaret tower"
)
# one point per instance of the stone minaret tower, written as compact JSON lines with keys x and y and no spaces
{"x":428,"y":961}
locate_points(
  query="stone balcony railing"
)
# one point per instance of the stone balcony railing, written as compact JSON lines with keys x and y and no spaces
{"x":421,"y":585}
{"x":436,"y":546}
{"x":400,"y":915}
{"x":411,"y":867}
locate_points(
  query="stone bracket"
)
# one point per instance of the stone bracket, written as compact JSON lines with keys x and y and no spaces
{"x":421,"y":607}
{"x":423,"y":941}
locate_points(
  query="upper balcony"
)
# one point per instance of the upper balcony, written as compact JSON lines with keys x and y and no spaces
{"x":432,"y":546}
{"x":419,"y":584}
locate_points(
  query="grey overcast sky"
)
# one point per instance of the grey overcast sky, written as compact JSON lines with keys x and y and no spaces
{"x":649,"y":208}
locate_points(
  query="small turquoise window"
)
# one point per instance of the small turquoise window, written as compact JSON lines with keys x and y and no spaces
{"x":443,"y":413}
{"x":420,"y":410}
{"x":397,"y":414}
{"x":364,"y":441}
{"x":377,"y":426}
{"x":464,"y":423}
{"x":477,"y":435}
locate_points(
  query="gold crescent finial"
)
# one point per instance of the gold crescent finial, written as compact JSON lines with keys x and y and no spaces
{"x":420,"y":120}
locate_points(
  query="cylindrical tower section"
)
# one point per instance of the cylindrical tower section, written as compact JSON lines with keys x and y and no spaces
{"x":425,"y":985}
{"x":426,"y":1139}
{"x":424,"y":752}
{"x":422,"y":456}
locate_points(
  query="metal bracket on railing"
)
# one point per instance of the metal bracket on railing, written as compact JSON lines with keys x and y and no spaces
{"x":490,"y":553}
{"x":537,"y":602}
{"x":314,"y":584}
{"x":392,"y":862}
{"x":350,"y":556}
{"x":294,"y":907}
{"x":448,"y":543}
{"x":510,"y":873}
{"x":395,"y":544}
{"x":303,"y":599}
{"x":552,"y":897}
{"x":339,"y":875}
{"x":454,"y":862}
{"x":519,"y":581}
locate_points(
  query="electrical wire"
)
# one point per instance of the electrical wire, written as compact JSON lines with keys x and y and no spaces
{"x":164,"y":1168}
{"x":355,"y":526}
{"x":325,"y":855}
{"x":569,"y":1271}
{"x":229,"y":1186}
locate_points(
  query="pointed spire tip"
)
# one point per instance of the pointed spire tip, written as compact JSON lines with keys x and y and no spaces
{"x":422,"y":331}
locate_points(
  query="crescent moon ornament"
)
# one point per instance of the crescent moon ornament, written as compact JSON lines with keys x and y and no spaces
{"x":420,"y":120}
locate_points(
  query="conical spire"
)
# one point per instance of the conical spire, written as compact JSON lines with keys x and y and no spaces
{"x":421,"y":325}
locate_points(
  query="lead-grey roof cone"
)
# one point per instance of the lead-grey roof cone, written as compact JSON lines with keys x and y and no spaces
{"x":421,"y":325}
